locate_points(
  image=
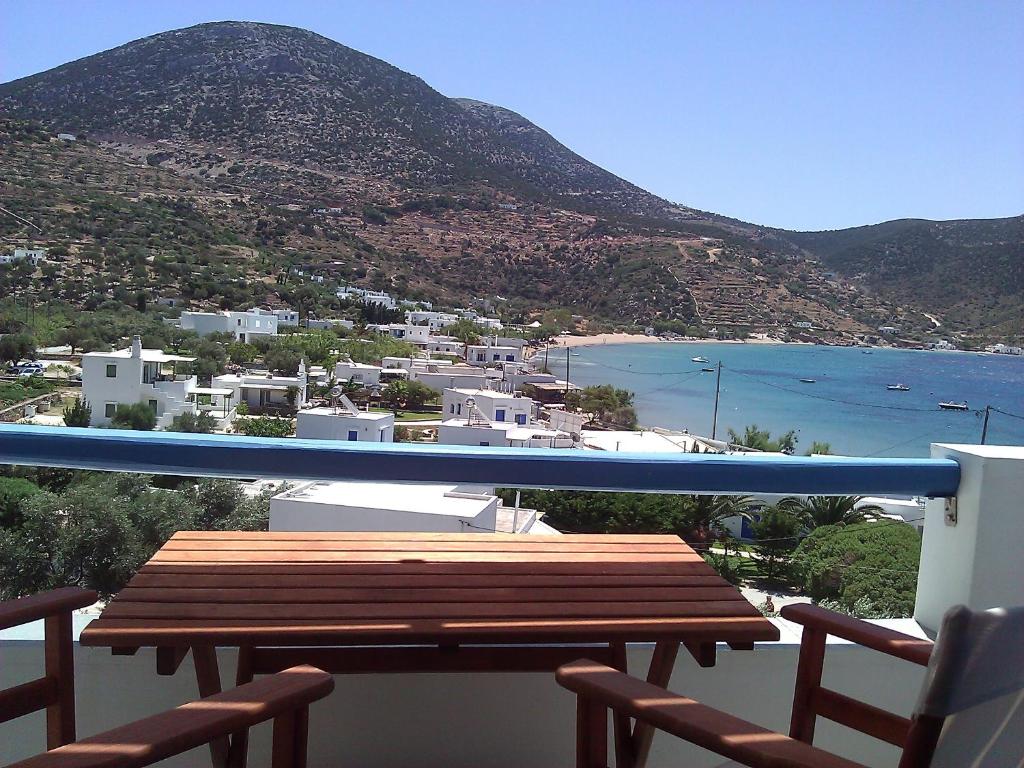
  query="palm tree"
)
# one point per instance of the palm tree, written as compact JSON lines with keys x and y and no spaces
{"x":700,"y":518}
{"x":817,"y":511}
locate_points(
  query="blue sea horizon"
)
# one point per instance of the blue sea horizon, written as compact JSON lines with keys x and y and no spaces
{"x":847,"y":406}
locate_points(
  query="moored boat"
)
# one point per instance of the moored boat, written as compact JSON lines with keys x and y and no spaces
{"x":947,"y":406}
{"x":700,"y":359}
{"x":898,"y":388}
{"x":809,"y":381}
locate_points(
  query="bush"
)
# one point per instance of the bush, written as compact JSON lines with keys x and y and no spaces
{"x":776,"y":534}
{"x":265,"y":426}
{"x":866,"y":568}
{"x":78,"y":414}
{"x":136,"y":416}
{"x":193,"y":422}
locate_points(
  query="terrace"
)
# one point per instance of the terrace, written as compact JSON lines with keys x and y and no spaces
{"x":973,"y":535}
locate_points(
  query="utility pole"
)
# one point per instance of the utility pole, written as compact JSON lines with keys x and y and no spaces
{"x":567,"y":369}
{"x":547,"y":345}
{"x":718,"y":389}
{"x":984,"y":424}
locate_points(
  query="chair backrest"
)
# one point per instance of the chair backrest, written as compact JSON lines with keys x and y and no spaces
{"x":975,"y":688}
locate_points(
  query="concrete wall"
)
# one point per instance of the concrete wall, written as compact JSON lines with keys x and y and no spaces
{"x":484,"y":720}
{"x":294,"y":514}
{"x":375,"y":428}
{"x":975,"y":561}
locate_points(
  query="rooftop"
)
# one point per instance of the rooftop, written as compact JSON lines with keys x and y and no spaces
{"x":148,"y":355}
{"x":346,"y":413}
{"x":427,"y":499}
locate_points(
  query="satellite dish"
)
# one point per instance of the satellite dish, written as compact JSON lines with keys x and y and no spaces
{"x":336,"y":391}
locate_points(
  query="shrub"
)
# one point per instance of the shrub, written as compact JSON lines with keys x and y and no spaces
{"x":867,"y":568}
{"x":78,"y":414}
{"x":135,"y":416}
{"x":193,"y":422}
{"x":265,"y":426}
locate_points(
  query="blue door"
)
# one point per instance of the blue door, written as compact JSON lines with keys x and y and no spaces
{"x":499,"y":414}
{"x":353,"y":435}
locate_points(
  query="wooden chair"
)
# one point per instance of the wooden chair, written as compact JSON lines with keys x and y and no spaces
{"x":975,"y":677}
{"x":284,"y":698}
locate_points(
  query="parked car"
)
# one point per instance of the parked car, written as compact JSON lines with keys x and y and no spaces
{"x":28,"y":369}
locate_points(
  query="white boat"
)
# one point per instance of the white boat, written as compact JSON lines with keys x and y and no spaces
{"x":953,"y":406}
{"x":700,"y":359}
{"x":897,"y":388}
{"x":808,"y":381}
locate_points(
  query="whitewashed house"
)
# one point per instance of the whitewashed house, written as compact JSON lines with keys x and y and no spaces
{"x":136,"y":375}
{"x":289,"y":317}
{"x":358,"y":373}
{"x":500,"y":407}
{"x":486,"y":354}
{"x":244,"y":326}
{"x":263,"y":390}
{"x":345,"y":422}
{"x":31,"y":255}
{"x":435,"y":321}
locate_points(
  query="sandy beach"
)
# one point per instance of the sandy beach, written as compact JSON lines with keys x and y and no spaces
{"x":639,"y":338}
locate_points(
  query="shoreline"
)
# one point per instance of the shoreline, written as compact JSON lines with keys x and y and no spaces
{"x":599,"y":339}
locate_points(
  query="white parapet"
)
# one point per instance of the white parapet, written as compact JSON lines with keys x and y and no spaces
{"x":971,"y":553}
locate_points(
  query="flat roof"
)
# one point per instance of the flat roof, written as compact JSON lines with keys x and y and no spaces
{"x":421,"y":498}
{"x":343,"y":412}
{"x":148,"y":355}
{"x":487,"y":393}
{"x":211,"y":391}
{"x":638,"y":442}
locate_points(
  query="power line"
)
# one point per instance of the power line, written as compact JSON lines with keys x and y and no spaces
{"x":1007,"y":413}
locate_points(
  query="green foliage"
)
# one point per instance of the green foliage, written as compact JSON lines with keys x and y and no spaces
{"x":776,"y":533}
{"x":608,"y":404}
{"x":400,"y":395}
{"x":24,"y":389}
{"x":464,"y":330}
{"x":97,"y":530}
{"x":78,"y":414}
{"x":193,"y":422}
{"x":819,"y":448}
{"x":283,"y":360}
{"x":373,"y":350}
{"x":139,"y":416}
{"x":761,"y":440}
{"x":13,"y":490}
{"x":817,"y":511}
{"x":402,"y":434}
{"x":15,"y":347}
{"x":265,"y":426}
{"x":870,"y":568}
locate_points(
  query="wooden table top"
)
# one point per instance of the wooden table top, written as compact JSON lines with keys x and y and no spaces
{"x":316,"y":588}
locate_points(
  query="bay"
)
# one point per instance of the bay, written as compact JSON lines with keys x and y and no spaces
{"x":847,"y":406}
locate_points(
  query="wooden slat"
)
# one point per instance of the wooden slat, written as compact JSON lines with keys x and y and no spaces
{"x":149,"y":632}
{"x":410,"y":568}
{"x":122,"y":609}
{"x":28,"y":697}
{"x":860,"y":716}
{"x":620,"y":538}
{"x":525,"y":548}
{"x":334,"y":556}
{"x":519,"y":595}
{"x":149,"y":579}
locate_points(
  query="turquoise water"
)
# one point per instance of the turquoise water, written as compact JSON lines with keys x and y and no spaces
{"x":848,"y":406}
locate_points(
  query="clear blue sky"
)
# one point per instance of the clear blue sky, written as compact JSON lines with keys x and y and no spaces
{"x":807,"y":115}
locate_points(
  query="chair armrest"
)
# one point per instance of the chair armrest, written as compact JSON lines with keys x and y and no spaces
{"x":25,"y":609}
{"x":191,"y":725}
{"x":698,"y":724}
{"x":872,"y":636}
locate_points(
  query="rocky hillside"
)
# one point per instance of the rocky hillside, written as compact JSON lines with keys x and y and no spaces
{"x":289,"y":94}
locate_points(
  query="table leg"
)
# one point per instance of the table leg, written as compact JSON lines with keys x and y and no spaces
{"x":659,"y":674}
{"x":239,"y":751}
{"x":208,"y":678}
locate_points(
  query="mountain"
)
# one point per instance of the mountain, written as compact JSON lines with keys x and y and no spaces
{"x":969,"y":271}
{"x":289,"y":94}
{"x":287,"y":144}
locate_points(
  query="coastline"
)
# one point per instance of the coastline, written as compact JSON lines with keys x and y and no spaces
{"x":638,"y":338}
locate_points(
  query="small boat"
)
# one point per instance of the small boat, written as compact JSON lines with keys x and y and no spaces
{"x":809,"y":381}
{"x":953,"y":406}
{"x":898,"y":388}
{"x":708,"y":370}
{"x":700,"y":359}
{"x":866,"y":352}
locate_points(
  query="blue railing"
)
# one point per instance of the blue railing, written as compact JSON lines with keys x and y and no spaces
{"x":249,"y":457}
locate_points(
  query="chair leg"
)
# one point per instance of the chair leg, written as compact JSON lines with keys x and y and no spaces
{"x":808,"y":679}
{"x":238,"y":754}
{"x":60,"y":666}
{"x":208,"y":680}
{"x":591,"y":734}
{"x":290,"y":734}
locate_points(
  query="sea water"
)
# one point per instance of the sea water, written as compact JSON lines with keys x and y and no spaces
{"x":847,"y":406}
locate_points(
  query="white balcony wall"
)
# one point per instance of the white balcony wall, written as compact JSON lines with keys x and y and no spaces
{"x":484,"y":720}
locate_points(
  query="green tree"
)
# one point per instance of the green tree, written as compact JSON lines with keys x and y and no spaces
{"x":193,"y":422}
{"x":13,"y":490}
{"x":139,"y":416}
{"x":701,"y":517}
{"x":15,"y":347}
{"x":78,"y":414}
{"x":776,"y":534}
{"x":816,"y":511}
{"x":283,"y":360}
{"x":402,"y":395}
{"x":606,"y":403}
{"x":868,"y":568}
{"x":761,"y":440}
{"x":819,"y":448}
{"x":465,"y":331}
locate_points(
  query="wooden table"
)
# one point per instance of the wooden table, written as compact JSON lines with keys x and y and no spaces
{"x":425,"y":602}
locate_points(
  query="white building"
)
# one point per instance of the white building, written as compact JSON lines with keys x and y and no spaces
{"x":136,"y":375}
{"x":482,"y":432}
{"x":329,"y":324}
{"x":484,"y":354}
{"x":345,"y":422}
{"x":31,"y":255}
{"x":367,"y":296}
{"x":435,"y":321}
{"x":357,"y":373}
{"x":243,"y":325}
{"x":499,"y":407}
{"x":264,"y":390}
{"x":359,"y":506}
{"x":286,"y":316}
